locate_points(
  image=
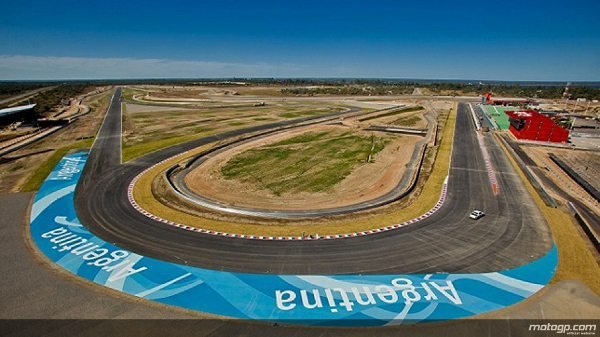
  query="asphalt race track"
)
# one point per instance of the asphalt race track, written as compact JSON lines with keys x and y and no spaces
{"x":512,"y":233}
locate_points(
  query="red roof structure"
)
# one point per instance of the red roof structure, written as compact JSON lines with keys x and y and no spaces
{"x":532,"y":125}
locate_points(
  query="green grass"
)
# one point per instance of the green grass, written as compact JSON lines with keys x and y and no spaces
{"x":293,"y":112}
{"x":394,"y":112}
{"x":37,"y":178}
{"x":304,"y":138}
{"x":101,"y":99}
{"x":407,"y":121}
{"x":201,"y":129}
{"x":133,"y":151}
{"x":260,"y":119}
{"x":128,"y":93}
{"x":312,"y":162}
{"x":299,"y":114}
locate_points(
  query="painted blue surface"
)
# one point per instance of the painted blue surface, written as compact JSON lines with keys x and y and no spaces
{"x":308,"y":299}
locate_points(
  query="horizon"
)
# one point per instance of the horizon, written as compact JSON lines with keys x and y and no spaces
{"x":550,"y":41}
{"x":424,"y":81}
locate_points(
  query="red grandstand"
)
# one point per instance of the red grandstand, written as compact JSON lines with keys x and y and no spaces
{"x":532,"y":125}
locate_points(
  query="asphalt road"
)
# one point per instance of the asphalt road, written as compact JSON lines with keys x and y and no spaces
{"x":512,"y":233}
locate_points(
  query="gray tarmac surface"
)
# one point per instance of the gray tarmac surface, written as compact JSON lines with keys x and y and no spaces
{"x":512,"y":233}
{"x":30,"y":290}
{"x":37,"y":299}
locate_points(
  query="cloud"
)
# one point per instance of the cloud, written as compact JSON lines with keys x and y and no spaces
{"x":23,"y":67}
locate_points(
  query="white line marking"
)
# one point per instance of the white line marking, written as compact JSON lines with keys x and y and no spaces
{"x":164,"y":285}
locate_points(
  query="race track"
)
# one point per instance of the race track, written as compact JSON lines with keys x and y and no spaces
{"x":512,"y":233}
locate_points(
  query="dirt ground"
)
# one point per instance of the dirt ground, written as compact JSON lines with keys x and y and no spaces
{"x":540,"y":156}
{"x":366,"y":182}
{"x":585,"y":163}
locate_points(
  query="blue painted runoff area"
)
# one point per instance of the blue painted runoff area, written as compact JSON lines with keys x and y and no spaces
{"x":330,"y":300}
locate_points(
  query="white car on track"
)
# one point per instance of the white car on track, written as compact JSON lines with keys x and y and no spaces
{"x":476,"y":214}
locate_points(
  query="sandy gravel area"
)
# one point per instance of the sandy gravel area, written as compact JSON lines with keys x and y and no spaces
{"x":366,"y":182}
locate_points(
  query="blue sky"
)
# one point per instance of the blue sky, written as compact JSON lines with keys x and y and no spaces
{"x":508,"y":40}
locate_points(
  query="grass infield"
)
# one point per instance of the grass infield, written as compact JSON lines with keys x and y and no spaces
{"x":311,"y":162}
